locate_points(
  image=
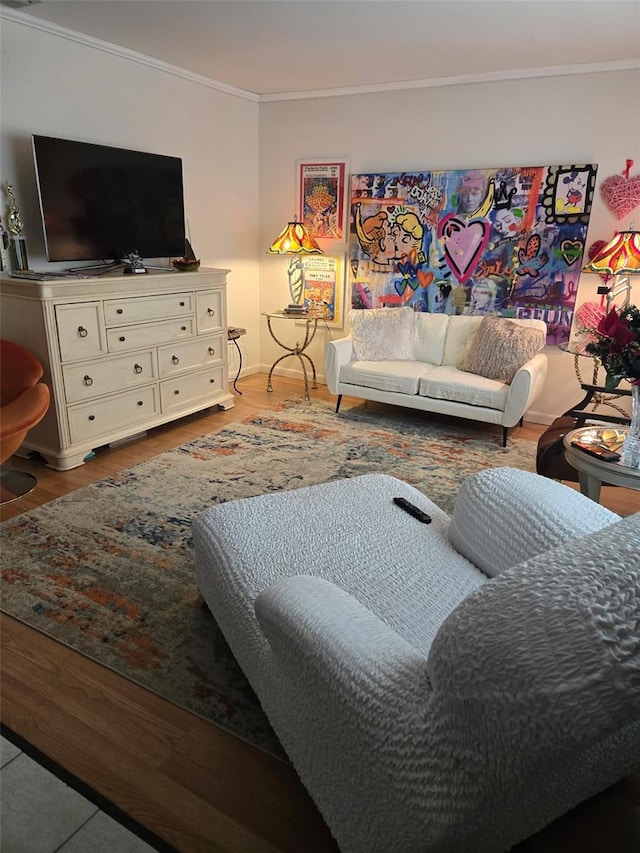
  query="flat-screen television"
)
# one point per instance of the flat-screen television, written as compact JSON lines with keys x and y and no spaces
{"x":100,"y":203}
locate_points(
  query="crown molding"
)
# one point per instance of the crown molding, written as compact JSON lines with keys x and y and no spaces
{"x":123,"y":53}
{"x":461,"y":79}
{"x":428,"y":83}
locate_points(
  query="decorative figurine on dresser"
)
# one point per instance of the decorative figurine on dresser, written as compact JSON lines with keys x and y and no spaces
{"x":15,"y":226}
{"x":121,"y":354}
{"x":4,"y":247}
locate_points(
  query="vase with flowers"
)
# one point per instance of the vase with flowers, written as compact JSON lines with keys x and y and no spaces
{"x":616,"y":344}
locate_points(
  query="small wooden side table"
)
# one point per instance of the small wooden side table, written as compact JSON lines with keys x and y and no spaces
{"x":593,"y":472}
{"x":298,"y":350}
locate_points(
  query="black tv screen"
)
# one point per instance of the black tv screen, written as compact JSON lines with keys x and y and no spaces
{"x":100,"y":203}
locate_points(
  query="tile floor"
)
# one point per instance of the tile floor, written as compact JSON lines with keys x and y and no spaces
{"x":39,"y":813}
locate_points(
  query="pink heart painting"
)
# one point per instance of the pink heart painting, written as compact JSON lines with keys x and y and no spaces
{"x":464,"y":243}
{"x":621,"y":193}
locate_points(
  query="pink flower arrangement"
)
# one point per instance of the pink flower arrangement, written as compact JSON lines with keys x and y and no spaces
{"x":617,"y":345}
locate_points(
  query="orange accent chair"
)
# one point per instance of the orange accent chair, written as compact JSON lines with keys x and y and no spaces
{"x":23,"y":403}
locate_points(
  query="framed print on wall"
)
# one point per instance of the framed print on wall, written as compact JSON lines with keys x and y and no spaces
{"x":323,"y":287}
{"x":322,"y":198}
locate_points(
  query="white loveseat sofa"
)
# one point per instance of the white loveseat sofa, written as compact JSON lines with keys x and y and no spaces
{"x":442,"y":687}
{"x":427,"y":374}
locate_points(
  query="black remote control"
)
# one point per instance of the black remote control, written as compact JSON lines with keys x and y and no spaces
{"x":413,"y":510}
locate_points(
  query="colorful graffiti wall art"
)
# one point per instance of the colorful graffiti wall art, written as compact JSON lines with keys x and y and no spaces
{"x":506,"y":241}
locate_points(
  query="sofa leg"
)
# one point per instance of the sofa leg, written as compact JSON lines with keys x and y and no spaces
{"x":521,"y":422}
{"x":504,"y":436}
{"x":338,"y":403}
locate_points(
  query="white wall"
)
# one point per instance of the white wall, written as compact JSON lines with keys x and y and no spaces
{"x":56,"y":86}
{"x":62,"y":87}
{"x":554,"y":120}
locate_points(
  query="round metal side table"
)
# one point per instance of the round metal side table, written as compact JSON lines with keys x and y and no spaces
{"x":298,"y":349}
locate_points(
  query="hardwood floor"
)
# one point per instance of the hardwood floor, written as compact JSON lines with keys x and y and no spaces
{"x":192,"y":784}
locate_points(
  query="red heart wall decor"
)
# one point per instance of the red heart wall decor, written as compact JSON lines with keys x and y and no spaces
{"x":621,"y":193}
{"x":595,"y":249}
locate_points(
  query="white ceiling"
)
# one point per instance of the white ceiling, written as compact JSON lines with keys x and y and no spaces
{"x":272,"y":47}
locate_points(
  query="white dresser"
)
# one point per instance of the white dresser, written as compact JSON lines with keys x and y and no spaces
{"x":120,"y":354}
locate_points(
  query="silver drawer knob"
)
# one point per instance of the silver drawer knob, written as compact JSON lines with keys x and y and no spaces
{"x":82,"y":332}
{"x":119,"y":311}
{"x":122,"y":339}
{"x":92,"y":417}
{"x":140,"y":403}
{"x":210,"y":312}
{"x":88,"y":380}
{"x":175,"y":359}
{"x":212,"y":351}
{"x":137,"y":368}
{"x":184,"y":328}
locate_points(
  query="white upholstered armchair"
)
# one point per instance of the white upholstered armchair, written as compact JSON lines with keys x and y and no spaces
{"x":446,"y":687}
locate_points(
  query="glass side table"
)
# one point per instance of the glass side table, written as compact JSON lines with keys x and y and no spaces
{"x":595,"y":396}
{"x":298,"y":349}
{"x":593,"y":472}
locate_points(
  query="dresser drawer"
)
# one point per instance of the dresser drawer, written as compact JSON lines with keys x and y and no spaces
{"x":144,"y":308}
{"x":96,"y":378}
{"x":112,"y":414}
{"x":180,"y":393}
{"x":79,"y":331}
{"x":189,"y":355}
{"x":148,"y":334}
{"x":209,"y":311}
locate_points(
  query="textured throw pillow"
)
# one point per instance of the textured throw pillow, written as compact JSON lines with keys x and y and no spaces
{"x":383,"y":334}
{"x":499,"y":349}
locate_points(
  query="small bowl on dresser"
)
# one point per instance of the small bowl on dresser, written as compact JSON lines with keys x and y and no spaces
{"x":185,"y":264}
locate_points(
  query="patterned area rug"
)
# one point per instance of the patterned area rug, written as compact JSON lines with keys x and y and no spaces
{"x":108,"y":569}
